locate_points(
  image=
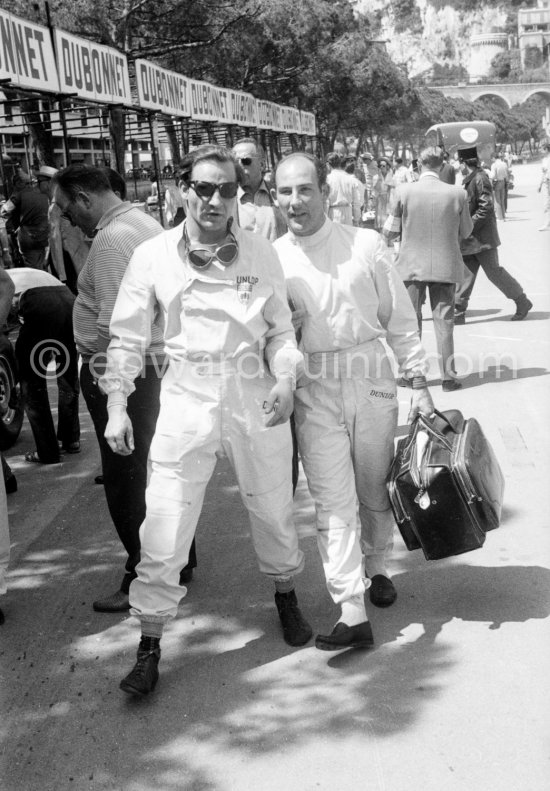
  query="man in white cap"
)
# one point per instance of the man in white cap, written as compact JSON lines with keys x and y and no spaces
{"x":55,"y":259}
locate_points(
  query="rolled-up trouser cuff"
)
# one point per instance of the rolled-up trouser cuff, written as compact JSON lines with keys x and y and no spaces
{"x":146,"y":618}
{"x":288,"y":576}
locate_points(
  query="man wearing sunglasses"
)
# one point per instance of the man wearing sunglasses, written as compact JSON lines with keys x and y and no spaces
{"x":256,"y":210}
{"x":232,"y":357}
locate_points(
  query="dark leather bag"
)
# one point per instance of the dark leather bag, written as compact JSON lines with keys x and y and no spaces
{"x":445,"y":485}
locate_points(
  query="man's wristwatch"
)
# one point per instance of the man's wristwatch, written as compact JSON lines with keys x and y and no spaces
{"x":416,"y":381}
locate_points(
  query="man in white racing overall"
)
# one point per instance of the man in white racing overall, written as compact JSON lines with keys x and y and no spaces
{"x":348,"y":297}
{"x":228,"y":390}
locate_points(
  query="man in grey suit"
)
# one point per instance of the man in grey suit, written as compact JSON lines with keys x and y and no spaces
{"x":431,"y":217}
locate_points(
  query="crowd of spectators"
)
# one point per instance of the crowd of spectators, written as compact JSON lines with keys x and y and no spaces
{"x":348,"y":231}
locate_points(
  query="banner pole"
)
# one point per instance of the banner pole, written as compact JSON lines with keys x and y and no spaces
{"x":156,"y":165}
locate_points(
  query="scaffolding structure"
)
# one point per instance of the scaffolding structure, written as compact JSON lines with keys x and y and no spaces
{"x":66,"y":91}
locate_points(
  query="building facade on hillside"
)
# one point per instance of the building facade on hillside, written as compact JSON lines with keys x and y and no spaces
{"x":533,"y":33}
{"x":534,"y":30}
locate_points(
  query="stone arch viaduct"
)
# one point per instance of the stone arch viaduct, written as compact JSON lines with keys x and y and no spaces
{"x":507,"y":94}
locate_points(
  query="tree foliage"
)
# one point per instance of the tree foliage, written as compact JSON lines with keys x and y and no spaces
{"x":319,"y":55}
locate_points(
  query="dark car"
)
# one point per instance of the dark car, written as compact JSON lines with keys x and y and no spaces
{"x":136,"y":173}
{"x":11,"y":406}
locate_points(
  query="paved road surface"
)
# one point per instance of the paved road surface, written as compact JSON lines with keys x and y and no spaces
{"x":453,"y":698}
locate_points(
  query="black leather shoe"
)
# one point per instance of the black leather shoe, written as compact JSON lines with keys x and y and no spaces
{"x":296,"y":630}
{"x":143,"y":677}
{"x":523,"y":306}
{"x":460,"y":318}
{"x":11,"y":484}
{"x":71,"y":447}
{"x":382,"y":591}
{"x":344,"y":636}
{"x":186,"y":575}
{"x":117,"y":602}
{"x":448,"y":385}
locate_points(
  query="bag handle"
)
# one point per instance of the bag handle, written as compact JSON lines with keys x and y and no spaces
{"x":430,"y":424}
{"x":453,"y":420}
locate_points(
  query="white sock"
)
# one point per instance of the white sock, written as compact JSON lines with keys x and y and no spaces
{"x":353,"y":611}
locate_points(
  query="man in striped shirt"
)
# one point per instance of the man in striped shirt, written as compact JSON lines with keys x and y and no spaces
{"x":85,"y":197}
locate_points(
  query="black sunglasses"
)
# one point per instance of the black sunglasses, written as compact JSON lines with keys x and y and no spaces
{"x":205,"y":189}
{"x":246,"y":161}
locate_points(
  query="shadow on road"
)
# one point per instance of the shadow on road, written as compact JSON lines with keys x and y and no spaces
{"x":534,"y":315}
{"x":498,"y":374}
{"x":230,"y":689}
{"x":486,"y":312}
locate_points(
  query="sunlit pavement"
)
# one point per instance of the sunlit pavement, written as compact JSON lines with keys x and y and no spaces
{"x":455,"y":696}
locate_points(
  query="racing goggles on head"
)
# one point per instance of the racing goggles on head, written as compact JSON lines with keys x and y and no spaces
{"x":205,"y":189}
{"x":201,"y":257}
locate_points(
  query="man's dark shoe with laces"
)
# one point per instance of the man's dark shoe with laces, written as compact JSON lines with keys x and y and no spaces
{"x":382,"y":591}
{"x":296,"y":630}
{"x":116,"y":602}
{"x":523,"y":306}
{"x":144,"y":676}
{"x":344,"y":636}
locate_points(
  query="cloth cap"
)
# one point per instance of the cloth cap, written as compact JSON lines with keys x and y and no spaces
{"x":47,"y":172}
{"x":367,"y":155}
{"x":467,"y":152}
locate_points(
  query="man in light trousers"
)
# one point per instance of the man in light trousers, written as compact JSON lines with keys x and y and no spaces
{"x":348,"y":298}
{"x":232,"y":356}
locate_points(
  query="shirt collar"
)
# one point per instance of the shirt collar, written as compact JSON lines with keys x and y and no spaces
{"x":109,"y":215}
{"x":241,"y":193}
{"x":428,"y":173}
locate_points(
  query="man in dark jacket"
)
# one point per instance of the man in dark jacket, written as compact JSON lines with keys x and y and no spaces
{"x":447,"y":172}
{"x":480,"y":249}
{"x":27,"y":211}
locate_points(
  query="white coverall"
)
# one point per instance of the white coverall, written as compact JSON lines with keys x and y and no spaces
{"x":219,"y":326}
{"x":345,"y":197}
{"x":345,"y":407}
